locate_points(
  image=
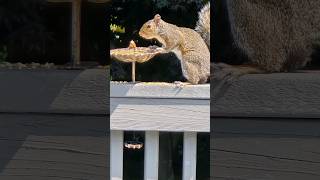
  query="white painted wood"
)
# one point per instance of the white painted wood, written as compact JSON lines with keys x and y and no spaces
{"x":155,"y":107}
{"x":159,"y":107}
{"x":151,"y":155}
{"x":160,"y":115}
{"x":76,"y":26}
{"x":189,"y":156}
{"x":159,"y":90}
{"x":116,"y":155}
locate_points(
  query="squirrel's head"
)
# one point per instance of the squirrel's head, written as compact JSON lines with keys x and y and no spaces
{"x":149,"y":30}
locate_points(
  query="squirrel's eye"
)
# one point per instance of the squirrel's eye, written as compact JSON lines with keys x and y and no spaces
{"x":148,"y":26}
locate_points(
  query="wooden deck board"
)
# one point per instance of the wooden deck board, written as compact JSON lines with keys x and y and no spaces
{"x":285,"y":95}
{"x":266,"y":127}
{"x":53,"y":147}
{"x":265,"y":149}
{"x":54,"y":124}
{"x":55,"y":91}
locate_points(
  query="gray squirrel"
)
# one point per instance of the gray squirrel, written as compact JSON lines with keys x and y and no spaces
{"x":262,"y":36}
{"x":190,"y":46}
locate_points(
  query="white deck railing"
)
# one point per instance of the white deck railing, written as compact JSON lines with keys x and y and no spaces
{"x":155,"y":107}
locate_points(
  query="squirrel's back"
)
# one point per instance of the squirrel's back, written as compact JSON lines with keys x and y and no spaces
{"x":203,"y":24}
{"x":193,"y":42}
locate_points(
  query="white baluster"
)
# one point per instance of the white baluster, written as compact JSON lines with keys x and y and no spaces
{"x":116,"y":155}
{"x":151,"y":155}
{"x":189,"y":156}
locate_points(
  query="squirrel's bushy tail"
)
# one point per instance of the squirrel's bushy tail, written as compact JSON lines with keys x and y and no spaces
{"x":203,"y":24}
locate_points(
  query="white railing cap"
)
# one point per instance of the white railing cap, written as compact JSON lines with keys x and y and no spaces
{"x":159,"y":90}
{"x":159,"y":107}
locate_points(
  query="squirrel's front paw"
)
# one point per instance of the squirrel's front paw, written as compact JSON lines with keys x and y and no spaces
{"x":180,"y":84}
{"x":153,"y":47}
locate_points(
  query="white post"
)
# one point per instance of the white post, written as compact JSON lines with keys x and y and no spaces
{"x":116,"y":155}
{"x":151,"y":155}
{"x":189,"y":155}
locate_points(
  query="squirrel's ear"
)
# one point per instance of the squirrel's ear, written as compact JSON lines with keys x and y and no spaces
{"x":157,"y":18}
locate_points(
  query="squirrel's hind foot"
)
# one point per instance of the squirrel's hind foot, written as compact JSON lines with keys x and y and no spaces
{"x":225,"y":72}
{"x":223,"y":75}
{"x":229,"y":73}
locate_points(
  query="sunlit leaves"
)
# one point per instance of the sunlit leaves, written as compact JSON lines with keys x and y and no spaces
{"x":117,"y":28}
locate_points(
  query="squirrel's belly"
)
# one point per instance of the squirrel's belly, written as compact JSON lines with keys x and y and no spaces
{"x":178,"y":54}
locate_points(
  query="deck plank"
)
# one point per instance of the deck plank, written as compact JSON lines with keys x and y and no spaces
{"x":55,"y":91}
{"x":53,"y":147}
{"x":265,"y":149}
{"x":285,"y":95}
